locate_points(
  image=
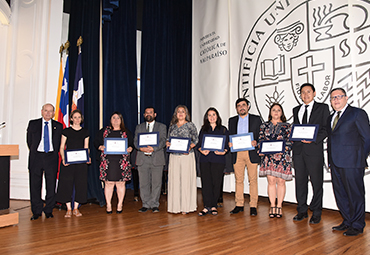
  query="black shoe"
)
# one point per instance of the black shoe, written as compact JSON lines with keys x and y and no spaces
{"x":136,"y":198}
{"x":35,"y":216}
{"x":143,"y":209}
{"x":300,"y":216}
{"x":109,"y":212}
{"x":253,"y":211}
{"x":155,"y":209}
{"x":340,"y":227}
{"x":353,"y":232}
{"x":315,"y":219}
{"x":119,"y":212}
{"x":237,"y":209}
{"x":49,"y":215}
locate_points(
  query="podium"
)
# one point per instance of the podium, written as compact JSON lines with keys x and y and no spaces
{"x":7,"y":216}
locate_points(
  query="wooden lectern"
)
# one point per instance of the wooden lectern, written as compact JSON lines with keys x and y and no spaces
{"x":7,"y":216}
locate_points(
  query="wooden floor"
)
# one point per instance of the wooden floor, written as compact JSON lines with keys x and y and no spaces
{"x":163,"y":233}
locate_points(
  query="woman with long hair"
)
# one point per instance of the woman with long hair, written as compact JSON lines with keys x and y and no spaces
{"x":182,"y":186}
{"x":212,"y":163}
{"x":115,"y":170}
{"x":278,"y":166}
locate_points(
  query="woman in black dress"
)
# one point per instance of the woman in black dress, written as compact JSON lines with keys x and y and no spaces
{"x":75,"y":175}
{"x":115,"y":170}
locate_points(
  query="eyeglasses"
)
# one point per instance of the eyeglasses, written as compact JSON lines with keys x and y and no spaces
{"x":337,"y":97}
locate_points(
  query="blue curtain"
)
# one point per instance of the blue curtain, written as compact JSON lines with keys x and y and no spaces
{"x":119,"y":58}
{"x":85,"y":22}
{"x":166,"y":56}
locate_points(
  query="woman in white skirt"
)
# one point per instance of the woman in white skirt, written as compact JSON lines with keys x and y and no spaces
{"x":182,"y":178}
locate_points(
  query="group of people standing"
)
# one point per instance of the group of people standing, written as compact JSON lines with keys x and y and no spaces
{"x":348,"y":133}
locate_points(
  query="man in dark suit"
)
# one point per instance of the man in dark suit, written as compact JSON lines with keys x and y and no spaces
{"x":43,"y":140}
{"x":150,"y":161}
{"x":308,"y":157}
{"x":241,"y":124}
{"x":348,"y":148}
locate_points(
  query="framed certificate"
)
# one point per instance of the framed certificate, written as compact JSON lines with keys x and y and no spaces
{"x":306,"y":132}
{"x":179,"y":145}
{"x":148,"y":139}
{"x":272,"y":146}
{"x":115,"y":145}
{"x":213,"y":142}
{"x":241,"y":142}
{"x":76,"y":156}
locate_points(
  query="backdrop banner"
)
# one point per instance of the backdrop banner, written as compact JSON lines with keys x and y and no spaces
{"x":264,"y":50}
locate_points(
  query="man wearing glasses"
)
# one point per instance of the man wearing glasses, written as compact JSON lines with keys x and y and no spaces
{"x":348,"y":148}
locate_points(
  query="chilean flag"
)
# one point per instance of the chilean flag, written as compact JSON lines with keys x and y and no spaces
{"x":63,"y":114}
{"x":78,"y":89}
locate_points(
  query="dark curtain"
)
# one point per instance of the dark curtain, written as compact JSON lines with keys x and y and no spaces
{"x":119,"y":58}
{"x":85,"y":22}
{"x":166,"y":56}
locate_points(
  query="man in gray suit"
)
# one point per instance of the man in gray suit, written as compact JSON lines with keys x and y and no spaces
{"x":150,"y":161}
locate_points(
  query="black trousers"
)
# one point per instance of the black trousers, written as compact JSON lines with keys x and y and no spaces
{"x":48,"y":164}
{"x":212,"y":178}
{"x":308,"y":167}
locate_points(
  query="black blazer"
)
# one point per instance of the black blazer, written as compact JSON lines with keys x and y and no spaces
{"x":349,"y":142}
{"x":34,"y":133}
{"x":319,"y":115}
{"x":254,"y":127}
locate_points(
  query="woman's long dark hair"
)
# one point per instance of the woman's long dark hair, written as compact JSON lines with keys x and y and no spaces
{"x":207,"y":124}
{"x":122,"y":127}
{"x":282,"y":118}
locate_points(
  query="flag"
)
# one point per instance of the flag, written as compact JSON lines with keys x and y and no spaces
{"x":78,"y":89}
{"x":60,"y":83}
{"x":63,"y":114}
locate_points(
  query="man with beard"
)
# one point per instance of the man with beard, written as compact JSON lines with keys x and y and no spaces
{"x":150,"y":161}
{"x":241,"y":124}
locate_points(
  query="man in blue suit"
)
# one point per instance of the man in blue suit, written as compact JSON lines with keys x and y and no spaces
{"x":348,"y":148}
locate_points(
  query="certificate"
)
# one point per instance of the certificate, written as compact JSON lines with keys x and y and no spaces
{"x":148,"y":139}
{"x":179,"y":145}
{"x":76,"y":156}
{"x":306,"y":132}
{"x":241,"y":142}
{"x":115,"y":145}
{"x":213,"y":142}
{"x":272,"y":146}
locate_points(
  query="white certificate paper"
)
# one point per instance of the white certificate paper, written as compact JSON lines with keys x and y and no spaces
{"x":179,"y":144}
{"x":211,"y":142}
{"x":303,"y":132}
{"x":116,"y":145}
{"x":76,"y":156}
{"x":276,"y":146}
{"x":240,"y":142}
{"x":148,"y":139}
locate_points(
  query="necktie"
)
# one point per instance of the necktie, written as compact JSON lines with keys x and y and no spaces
{"x":336,"y":120}
{"x":46,"y":138}
{"x":304,"y":119}
{"x":148,"y":128}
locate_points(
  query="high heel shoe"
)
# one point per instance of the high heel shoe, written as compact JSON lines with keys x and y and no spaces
{"x":278,"y":212}
{"x":272,"y":214}
{"x":77,"y":213}
{"x":68,"y":214}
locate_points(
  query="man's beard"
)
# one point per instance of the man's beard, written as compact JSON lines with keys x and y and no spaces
{"x":149,"y":118}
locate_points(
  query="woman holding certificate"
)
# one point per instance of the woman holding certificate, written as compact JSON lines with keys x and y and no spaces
{"x":274,"y":149}
{"x":213,"y":144}
{"x":115,"y":168}
{"x":73,"y":175}
{"x":182,"y":187}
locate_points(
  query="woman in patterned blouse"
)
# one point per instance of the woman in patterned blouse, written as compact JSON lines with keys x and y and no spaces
{"x":115,"y":170}
{"x":182,"y":179}
{"x":278,"y":166}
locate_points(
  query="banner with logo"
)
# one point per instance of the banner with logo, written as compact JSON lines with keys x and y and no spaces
{"x":275,"y":46}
